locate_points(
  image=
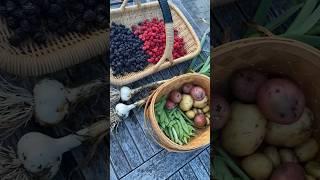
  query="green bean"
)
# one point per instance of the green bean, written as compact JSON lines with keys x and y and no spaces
{"x":175,"y":135}
{"x":170,"y":134}
{"x":179,"y":128}
{"x":171,"y":123}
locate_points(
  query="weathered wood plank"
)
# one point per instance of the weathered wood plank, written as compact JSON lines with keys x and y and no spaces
{"x":162,"y":165}
{"x":198,"y":169}
{"x":139,"y":138}
{"x":113,"y":175}
{"x":187,"y":173}
{"x":205,"y":160}
{"x":128,"y":146}
{"x":117,"y":157}
{"x":176,"y":176}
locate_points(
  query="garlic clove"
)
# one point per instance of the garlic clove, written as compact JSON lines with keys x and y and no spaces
{"x":51,"y":105}
{"x":125,"y":93}
{"x":38,"y":153}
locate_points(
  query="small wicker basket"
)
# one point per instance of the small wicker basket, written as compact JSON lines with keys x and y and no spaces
{"x":132,"y":15}
{"x":285,"y":57}
{"x":202,"y":137}
{"x":59,"y":53}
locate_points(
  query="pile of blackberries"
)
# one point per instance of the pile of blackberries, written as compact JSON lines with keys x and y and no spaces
{"x":34,"y":18}
{"x":126,"y":53}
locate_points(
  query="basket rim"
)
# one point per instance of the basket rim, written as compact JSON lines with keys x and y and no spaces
{"x":225,"y":48}
{"x":49,"y":62}
{"x":151,"y":111}
{"x":148,"y":71}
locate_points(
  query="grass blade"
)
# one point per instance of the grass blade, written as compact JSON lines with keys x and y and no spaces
{"x":315,"y":30}
{"x":308,"y":39}
{"x":283,"y":18}
{"x":261,"y":14}
{"x":306,"y":11}
{"x":309,"y":22}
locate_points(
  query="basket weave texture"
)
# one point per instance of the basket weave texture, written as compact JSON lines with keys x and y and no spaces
{"x":133,"y":15}
{"x":284,"y":57}
{"x":202,"y":137}
{"x":32,"y":59}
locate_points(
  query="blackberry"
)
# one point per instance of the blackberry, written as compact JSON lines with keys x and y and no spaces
{"x":40,"y":37}
{"x":12,"y":23}
{"x":3,"y":10}
{"x":25,"y":26}
{"x":55,"y":10}
{"x":81,"y":27}
{"x":30,"y":9}
{"x":10,"y":6}
{"x":89,"y":16}
{"x":126,"y":53}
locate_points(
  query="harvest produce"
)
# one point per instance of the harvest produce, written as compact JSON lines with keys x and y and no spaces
{"x":281,"y":101}
{"x":152,"y":33}
{"x":266,"y":144}
{"x":257,"y":165}
{"x":272,"y":153}
{"x":245,"y":130}
{"x":33,"y":19}
{"x":50,"y":102}
{"x":39,"y":156}
{"x":246,"y":83}
{"x":286,"y":171}
{"x":221,"y":111}
{"x":126,"y":53}
{"x":176,"y":117}
{"x":290,"y":135}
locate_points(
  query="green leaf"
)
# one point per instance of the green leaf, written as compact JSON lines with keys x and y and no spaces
{"x":283,"y":18}
{"x":302,"y":17}
{"x":315,"y":30}
{"x":261,"y":14}
{"x":308,"y":39}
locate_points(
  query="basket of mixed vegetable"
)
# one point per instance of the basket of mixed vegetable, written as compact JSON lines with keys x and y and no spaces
{"x":178,"y":112}
{"x":266,"y":109}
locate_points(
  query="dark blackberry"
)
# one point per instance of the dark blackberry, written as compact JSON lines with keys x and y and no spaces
{"x":40,"y":37}
{"x":18,"y":14}
{"x":11,"y":6}
{"x":55,"y":10}
{"x":30,"y":9}
{"x":12,"y":22}
{"x":90,"y":3}
{"x":89,"y":16}
{"x":15,"y":40}
{"x":78,"y":7}
{"x":25,"y":26}
{"x":3,"y":10}
{"x":101,"y":10}
{"x":81,"y":27}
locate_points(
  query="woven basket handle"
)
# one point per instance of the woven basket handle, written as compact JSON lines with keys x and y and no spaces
{"x":167,"y":17}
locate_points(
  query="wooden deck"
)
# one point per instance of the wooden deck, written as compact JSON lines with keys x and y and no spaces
{"x":133,"y":153}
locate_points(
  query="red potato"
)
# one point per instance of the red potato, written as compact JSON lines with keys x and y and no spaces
{"x":281,"y":101}
{"x":200,"y":120}
{"x":186,"y":88}
{"x":175,"y":96}
{"x":170,"y":105}
{"x":246,"y":83}
{"x":288,"y":171}
{"x":197,"y":93}
{"x":221,"y":111}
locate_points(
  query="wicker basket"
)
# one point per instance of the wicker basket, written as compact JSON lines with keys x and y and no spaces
{"x":134,"y":14}
{"x":202,"y":137}
{"x":290,"y":58}
{"x":59,"y":53}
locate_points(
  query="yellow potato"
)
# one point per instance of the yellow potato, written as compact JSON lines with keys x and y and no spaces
{"x":245,"y":130}
{"x":186,"y":102}
{"x":307,"y":150}
{"x":257,"y":166}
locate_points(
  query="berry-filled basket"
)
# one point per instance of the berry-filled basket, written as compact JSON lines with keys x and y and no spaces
{"x":175,"y":24}
{"x":59,"y":51}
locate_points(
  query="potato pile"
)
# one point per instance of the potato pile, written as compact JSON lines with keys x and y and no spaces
{"x":193,"y":101}
{"x":268,"y":126}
